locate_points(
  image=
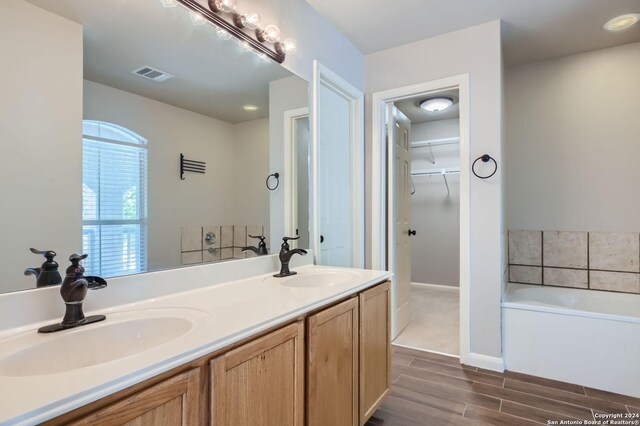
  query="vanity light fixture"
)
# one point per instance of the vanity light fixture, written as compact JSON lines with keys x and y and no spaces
{"x":246,"y":28}
{"x":250,"y":108}
{"x":622,"y":22}
{"x":436,"y":104}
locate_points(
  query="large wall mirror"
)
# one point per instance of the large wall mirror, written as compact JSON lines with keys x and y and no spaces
{"x":100,"y":99}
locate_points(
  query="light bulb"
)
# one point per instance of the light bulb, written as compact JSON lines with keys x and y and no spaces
{"x":197,"y":18}
{"x":229,"y":5}
{"x":289,"y":45}
{"x":272,"y":33}
{"x":169,"y":3}
{"x":223,"y":34}
{"x":253,"y":20}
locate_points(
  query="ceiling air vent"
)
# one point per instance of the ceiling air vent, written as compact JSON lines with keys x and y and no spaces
{"x":152,"y":74}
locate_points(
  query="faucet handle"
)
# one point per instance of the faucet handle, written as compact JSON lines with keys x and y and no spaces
{"x":285,"y":242}
{"x":76,"y":269}
{"x":48,"y":254}
{"x":76,"y":258}
{"x":260,"y":237}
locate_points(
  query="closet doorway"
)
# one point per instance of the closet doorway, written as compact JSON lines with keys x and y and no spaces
{"x":421,"y":210}
{"x":431,"y":123}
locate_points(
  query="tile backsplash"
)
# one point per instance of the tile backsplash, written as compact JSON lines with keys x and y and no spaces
{"x":214,"y":243}
{"x":608,"y":261}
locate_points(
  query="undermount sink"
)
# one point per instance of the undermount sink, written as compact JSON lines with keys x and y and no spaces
{"x":123,"y":334}
{"x":328,"y":278}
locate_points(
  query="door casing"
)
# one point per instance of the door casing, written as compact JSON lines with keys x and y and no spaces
{"x":381,"y":167}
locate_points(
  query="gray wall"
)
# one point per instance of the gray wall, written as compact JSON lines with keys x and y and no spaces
{"x":435,"y":249}
{"x":41,"y":134}
{"x":475,"y":51}
{"x":572,"y":142}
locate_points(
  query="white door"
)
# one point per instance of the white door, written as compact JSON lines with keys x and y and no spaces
{"x":334,"y":178}
{"x":399,"y":258}
{"x":337,"y":215}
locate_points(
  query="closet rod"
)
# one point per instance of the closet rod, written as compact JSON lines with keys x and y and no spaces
{"x":435,"y":142}
{"x":449,"y":171}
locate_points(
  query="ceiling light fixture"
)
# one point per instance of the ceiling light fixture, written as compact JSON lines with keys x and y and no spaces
{"x":622,"y":22}
{"x":250,"y":108}
{"x":436,"y":104}
{"x":245,"y":27}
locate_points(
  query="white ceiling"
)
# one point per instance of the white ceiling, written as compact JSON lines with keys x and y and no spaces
{"x":411,"y":107}
{"x":533,"y":30}
{"x":213,"y":77}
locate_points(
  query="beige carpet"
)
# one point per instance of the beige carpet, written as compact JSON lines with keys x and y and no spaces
{"x":435,"y":320}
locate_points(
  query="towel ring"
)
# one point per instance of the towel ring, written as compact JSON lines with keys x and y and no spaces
{"x":485,"y":159}
{"x":274,"y":175}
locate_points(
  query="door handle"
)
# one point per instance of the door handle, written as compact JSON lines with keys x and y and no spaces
{"x":412,"y":232}
{"x":321,"y":239}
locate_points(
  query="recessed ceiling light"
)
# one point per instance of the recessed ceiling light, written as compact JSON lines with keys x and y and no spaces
{"x":436,"y":104}
{"x":622,"y":22}
{"x":250,"y":107}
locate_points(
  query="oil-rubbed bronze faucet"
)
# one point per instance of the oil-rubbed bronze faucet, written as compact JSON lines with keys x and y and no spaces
{"x":47,"y":274}
{"x":73,"y":291}
{"x":261,"y":250}
{"x":285,"y":256}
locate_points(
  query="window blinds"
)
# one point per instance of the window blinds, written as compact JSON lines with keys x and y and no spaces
{"x":114,"y":193}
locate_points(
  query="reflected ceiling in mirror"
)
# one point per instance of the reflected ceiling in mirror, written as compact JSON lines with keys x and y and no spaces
{"x":104,"y":97}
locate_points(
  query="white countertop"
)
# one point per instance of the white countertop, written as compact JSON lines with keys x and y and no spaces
{"x":233,"y":311}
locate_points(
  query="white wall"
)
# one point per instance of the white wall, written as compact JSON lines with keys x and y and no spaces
{"x":284,"y":95}
{"x":572,"y":142}
{"x":41,"y":134}
{"x":476,"y":51}
{"x":435,"y":214}
{"x":230,"y":192}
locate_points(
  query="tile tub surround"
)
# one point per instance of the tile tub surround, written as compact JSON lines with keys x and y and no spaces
{"x":228,"y":243}
{"x":604,"y":261}
{"x":241,"y":298}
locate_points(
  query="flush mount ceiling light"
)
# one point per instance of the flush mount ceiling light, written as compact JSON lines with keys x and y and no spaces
{"x":250,"y":107}
{"x":436,"y":104}
{"x":622,"y":22}
{"x":246,"y":28}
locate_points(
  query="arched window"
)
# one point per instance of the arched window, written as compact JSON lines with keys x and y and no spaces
{"x":114,"y":199}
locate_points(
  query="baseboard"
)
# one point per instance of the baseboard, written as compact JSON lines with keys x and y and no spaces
{"x":423,"y":350}
{"x":484,"y":361}
{"x":438,"y":286}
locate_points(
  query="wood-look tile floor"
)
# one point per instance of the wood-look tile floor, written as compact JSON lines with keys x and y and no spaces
{"x":431,"y":389}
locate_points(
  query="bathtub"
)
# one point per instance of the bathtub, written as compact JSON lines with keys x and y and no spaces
{"x":590,"y":338}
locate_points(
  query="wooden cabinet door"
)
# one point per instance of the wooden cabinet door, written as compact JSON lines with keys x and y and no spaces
{"x":176,"y":401}
{"x":262,"y":382}
{"x":375,"y":349}
{"x":332,"y":366}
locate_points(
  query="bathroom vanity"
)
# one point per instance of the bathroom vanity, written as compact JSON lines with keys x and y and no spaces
{"x":313,"y":348}
{"x":174,"y":162}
